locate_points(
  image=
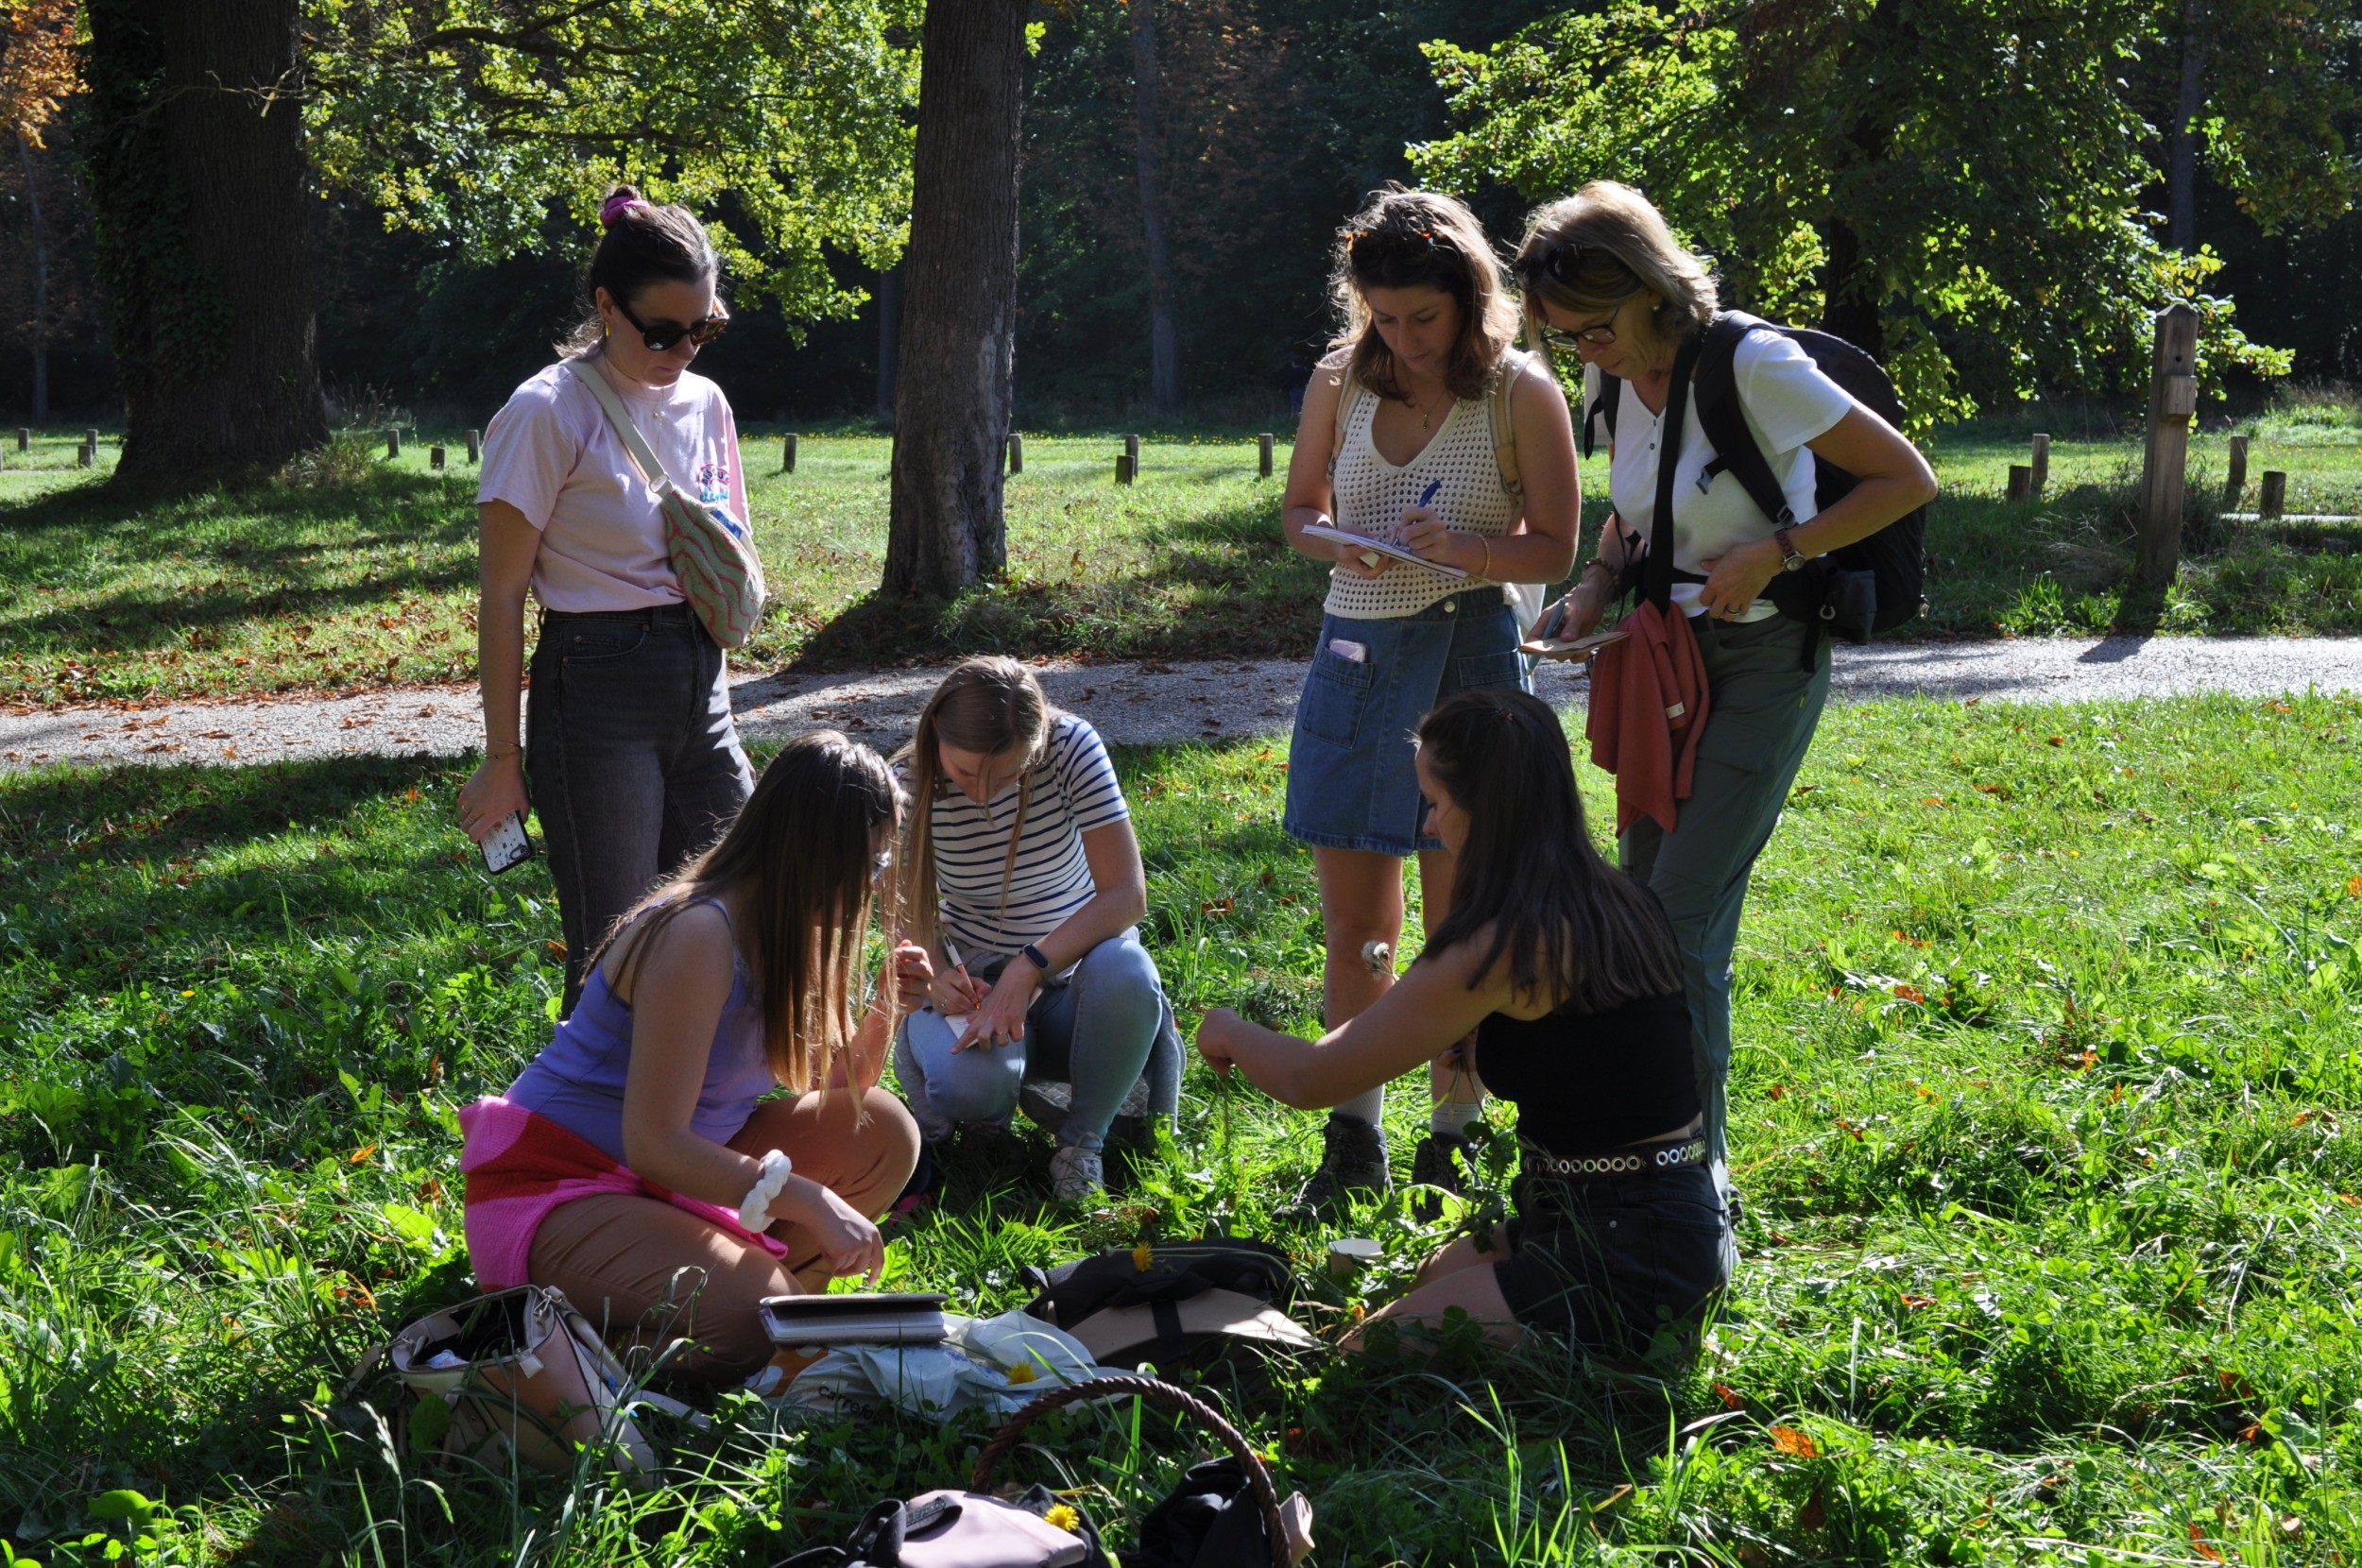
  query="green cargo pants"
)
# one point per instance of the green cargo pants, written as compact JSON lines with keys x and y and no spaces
{"x":1762,"y":706}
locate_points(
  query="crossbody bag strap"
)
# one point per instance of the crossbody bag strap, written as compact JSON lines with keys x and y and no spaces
{"x":643,"y":457}
{"x":1504,"y":428}
{"x":1347,"y":390}
{"x":1658,"y":582}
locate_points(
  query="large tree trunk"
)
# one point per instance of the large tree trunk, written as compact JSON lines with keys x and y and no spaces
{"x":41,"y":283}
{"x":1164,"y":348}
{"x":2181,"y":174}
{"x":959,"y":302}
{"x":1849,"y":302}
{"x":889,"y":338}
{"x":196,"y":175}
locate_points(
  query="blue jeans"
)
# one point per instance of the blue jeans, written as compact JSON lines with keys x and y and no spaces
{"x":631,"y":760}
{"x":1092,"y":1031}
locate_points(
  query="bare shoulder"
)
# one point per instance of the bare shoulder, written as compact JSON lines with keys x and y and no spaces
{"x":693,"y":947}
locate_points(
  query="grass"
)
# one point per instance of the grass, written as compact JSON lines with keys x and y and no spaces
{"x":2044,"y":1114}
{"x":359,"y":571}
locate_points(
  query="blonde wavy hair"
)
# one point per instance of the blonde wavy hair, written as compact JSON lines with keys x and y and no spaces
{"x":991,"y":704}
{"x":1412,"y":239}
{"x":1604,"y":245}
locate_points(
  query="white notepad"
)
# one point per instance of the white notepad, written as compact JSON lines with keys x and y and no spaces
{"x":1382,"y":547}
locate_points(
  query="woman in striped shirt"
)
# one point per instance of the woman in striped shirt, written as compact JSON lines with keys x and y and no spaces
{"x":1021,"y":876}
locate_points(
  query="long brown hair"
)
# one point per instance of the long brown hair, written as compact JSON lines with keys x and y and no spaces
{"x":1573,"y":927}
{"x":804,"y":853}
{"x":1422,"y":239}
{"x":990,"y":704}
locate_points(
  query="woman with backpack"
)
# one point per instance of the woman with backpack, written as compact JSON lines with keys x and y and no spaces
{"x":1022,"y":875}
{"x":1566,"y":971}
{"x":1606,"y":283}
{"x":637,"y":1164}
{"x":632,"y":760}
{"x":1426,"y":429}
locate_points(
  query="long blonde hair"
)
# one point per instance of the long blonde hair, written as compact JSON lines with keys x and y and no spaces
{"x":804,"y":849}
{"x":1600,"y":247}
{"x":1422,"y":239}
{"x":991,"y":704}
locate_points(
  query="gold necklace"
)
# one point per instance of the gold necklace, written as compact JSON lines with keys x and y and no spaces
{"x":1427,"y":415}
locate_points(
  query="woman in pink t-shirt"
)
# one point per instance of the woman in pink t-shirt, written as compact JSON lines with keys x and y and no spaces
{"x":630,"y":757}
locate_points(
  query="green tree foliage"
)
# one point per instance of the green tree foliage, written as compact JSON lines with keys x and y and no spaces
{"x":469,"y":120}
{"x":1955,"y":186}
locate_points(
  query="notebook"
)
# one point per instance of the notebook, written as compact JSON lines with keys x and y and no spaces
{"x":1382,"y":547}
{"x":856,"y":1318}
{"x":1572,"y":647}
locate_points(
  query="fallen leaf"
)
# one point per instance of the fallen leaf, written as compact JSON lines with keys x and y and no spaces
{"x":224,"y":734}
{"x":1729,"y":1396}
{"x":1220,"y":906}
{"x":410,"y":793}
{"x":362,"y":1153}
{"x":1911,"y":993}
{"x":556,"y":948}
{"x":1777,"y":1091}
{"x":1795,"y":1442}
{"x":2354,"y":887}
{"x":2199,"y":1544}
{"x":1815,"y":1513}
{"x":1915,"y":1302}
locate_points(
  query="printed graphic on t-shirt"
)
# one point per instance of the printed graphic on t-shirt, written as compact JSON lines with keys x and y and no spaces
{"x":714,"y":481}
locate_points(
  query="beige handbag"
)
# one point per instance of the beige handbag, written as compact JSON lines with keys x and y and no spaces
{"x":520,"y":1371}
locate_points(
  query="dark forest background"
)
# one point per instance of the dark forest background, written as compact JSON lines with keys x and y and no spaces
{"x":1276,"y":117}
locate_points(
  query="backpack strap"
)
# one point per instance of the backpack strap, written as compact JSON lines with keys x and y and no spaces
{"x":1603,"y":409}
{"x":1514,"y":363}
{"x":1657,"y":580}
{"x":1347,"y":390}
{"x":1724,"y":421}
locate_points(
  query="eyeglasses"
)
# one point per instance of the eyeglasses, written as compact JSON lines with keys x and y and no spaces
{"x":1559,"y":342}
{"x":662,"y":337}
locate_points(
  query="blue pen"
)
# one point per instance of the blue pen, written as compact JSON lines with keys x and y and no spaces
{"x":1428,"y":495}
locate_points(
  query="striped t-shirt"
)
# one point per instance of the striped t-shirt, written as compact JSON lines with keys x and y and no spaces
{"x":1075,"y":790}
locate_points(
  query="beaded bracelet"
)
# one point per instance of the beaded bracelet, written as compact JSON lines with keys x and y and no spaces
{"x":754,"y":1212}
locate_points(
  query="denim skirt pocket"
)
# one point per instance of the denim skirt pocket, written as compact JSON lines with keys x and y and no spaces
{"x":1487,"y":672}
{"x":1335,"y":695}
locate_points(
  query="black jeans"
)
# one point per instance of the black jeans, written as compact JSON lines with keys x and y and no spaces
{"x":1610,"y":1261}
{"x":632,"y":759}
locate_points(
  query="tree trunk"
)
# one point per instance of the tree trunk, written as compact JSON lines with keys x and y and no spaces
{"x":1849,"y":307}
{"x":196,"y":175}
{"x":2181,"y":174}
{"x":959,"y":302}
{"x":41,"y":284}
{"x":1164,"y":348}
{"x":889,"y":338}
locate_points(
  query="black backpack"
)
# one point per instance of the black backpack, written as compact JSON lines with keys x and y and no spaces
{"x":1161,"y":1276}
{"x":1857,"y":590}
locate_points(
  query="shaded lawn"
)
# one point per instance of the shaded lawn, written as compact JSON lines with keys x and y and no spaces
{"x":2044,"y":1116}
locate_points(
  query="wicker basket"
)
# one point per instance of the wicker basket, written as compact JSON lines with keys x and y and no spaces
{"x":1257,"y":1474}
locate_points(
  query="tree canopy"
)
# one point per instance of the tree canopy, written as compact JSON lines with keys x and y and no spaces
{"x":1955,"y":187}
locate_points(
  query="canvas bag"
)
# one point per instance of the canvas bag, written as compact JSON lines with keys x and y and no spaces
{"x":712,"y":552}
{"x":1526,"y":599}
{"x":964,"y":1530}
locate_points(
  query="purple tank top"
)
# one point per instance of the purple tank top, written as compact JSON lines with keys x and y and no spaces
{"x":578,"y":1081}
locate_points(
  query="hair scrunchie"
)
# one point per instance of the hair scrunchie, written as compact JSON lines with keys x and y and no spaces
{"x":615,"y":207}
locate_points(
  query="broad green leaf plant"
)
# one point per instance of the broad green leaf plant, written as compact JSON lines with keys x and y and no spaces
{"x":475,"y":120}
{"x":1955,"y":187}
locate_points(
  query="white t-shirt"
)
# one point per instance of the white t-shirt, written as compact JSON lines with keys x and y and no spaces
{"x":1075,"y":790}
{"x":1787,"y":403}
{"x":551,"y":454}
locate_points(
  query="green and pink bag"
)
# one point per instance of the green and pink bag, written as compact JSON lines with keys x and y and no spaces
{"x":712,"y":552}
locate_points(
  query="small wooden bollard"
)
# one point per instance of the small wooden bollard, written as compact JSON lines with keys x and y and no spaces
{"x":2021,"y":482}
{"x":2165,"y":475}
{"x":86,"y":455}
{"x":23,"y":438}
{"x":393,"y":441}
{"x":1262,"y":455}
{"x":787,"y":454}
{"x":2235,"y":483}
{"x":89,"y":437}
{"x":2273,"y":499}
{"x":1017,"y":453}
{"x":1132,"y":450}
{"x":2041,"y":465}
{"x":1124,"y":468}
{"x":476,"y":446}
{"x":435,"y":457}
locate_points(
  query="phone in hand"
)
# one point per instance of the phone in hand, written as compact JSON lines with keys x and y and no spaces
{"x":506,"y":847}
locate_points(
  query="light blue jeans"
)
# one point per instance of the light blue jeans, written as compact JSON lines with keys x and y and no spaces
{"x":1093,"y":1031}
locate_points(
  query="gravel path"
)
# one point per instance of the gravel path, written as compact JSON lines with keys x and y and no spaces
{"x":1211,"y":700}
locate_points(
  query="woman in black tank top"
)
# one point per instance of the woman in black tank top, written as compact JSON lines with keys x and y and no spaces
{"x":1567,"y":969}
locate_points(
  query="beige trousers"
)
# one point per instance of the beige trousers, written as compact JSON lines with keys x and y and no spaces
{"x":646,"y":1273}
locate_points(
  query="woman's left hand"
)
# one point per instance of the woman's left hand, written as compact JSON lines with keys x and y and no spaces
{"x":1002,"y":1018}
{"x":1736,"y":579}
{"x":1423,"y":534}
{"x":911,"y":970}
{"x":1215,"y":1032}
{"x":847,"y":1239}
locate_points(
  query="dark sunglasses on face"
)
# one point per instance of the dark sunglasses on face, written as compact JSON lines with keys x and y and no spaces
{"x":664,"y":335}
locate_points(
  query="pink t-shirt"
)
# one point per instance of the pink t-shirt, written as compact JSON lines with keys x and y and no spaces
{"x":551,"y":454}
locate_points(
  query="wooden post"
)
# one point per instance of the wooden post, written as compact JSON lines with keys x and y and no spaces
{"x":2041,"y":465}
{"x":2021,"y":483}
{"x":2273,"y":499}
{"x":1124,"y":468}
{"x":23,"y":438}
{"x":434,"y":458}
{"x":476,"y":446}
{"x":1017,"y":453}
{"x":2235,"y":483}
{"x":1132,"y":450}
{"x":393,"y":440}
{"x":85,"y":455}
{"x":787,"y":454}
{"x":1262,"y":455}
{"x":2172,"y":399}
{"x":89,"y":437}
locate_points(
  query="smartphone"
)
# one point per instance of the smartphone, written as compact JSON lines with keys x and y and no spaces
{"x":506,"y":847}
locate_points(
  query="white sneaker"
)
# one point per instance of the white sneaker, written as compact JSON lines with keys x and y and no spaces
{"x":1076,"y":1174}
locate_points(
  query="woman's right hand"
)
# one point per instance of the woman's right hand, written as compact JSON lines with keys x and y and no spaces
{"x":845,"y":1240}
{"x":954,"y":993}
{"x":493,"y":793}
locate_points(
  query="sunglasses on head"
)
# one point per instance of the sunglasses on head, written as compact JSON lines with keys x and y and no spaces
{"x":664,"y":335}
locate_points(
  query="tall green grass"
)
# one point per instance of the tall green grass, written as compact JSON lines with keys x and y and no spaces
{"x":2045,"y":1113}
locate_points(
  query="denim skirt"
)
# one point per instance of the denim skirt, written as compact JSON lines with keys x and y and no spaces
{"x":1352,"y":783}
{"x":1614,"y":1262}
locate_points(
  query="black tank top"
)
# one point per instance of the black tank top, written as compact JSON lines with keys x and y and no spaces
{"x":1587,"y":1082}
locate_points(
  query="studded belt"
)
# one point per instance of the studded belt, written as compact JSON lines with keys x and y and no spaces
{"x":1643,"y":1159}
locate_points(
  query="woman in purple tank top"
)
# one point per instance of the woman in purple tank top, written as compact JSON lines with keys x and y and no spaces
{"x":636,"y":1164}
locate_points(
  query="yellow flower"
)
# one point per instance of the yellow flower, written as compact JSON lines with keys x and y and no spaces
{"x":1022,"y":1373}
{"x":1062,"y":1517}
{"x":1140,"y":1257}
